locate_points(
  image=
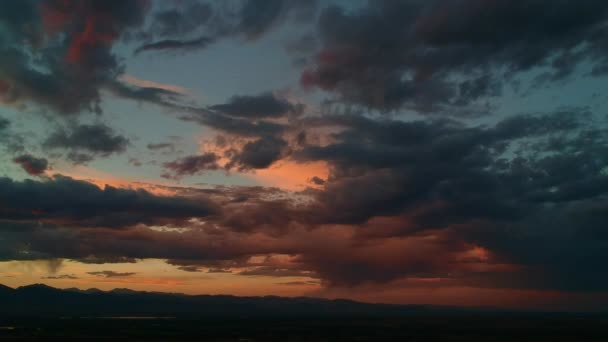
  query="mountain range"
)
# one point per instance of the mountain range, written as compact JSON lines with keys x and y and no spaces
{"x":42,"y":300}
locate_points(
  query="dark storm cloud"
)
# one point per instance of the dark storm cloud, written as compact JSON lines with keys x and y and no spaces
{"x":32,"y":165}
{"x":38,"y":241}
{"x":530,"y":189}
{"x":388,"y":166}
{"x":191,"y":165}
{"x":418,"y":196}
{"x":112,"y":274}
{"x":446,"y":189}
{"x":67,"y":56}
{"x":78,"y":203}
{"x":392,"y":259}
{"x":431,"y":54}
{"x":256,"y":107}
{"x":559,"y":247}
{"x":87,"y":140}
{"x":252,"y":216}
{"x":259,"y":154}
{"x":316,"y":180}
{"x":58,"y":54}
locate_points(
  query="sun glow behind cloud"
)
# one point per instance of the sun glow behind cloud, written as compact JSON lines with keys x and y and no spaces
{"x":150,"y":275}
{"x":290,"y":175}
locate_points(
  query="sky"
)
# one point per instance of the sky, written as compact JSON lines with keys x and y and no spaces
{"x":447,"y":152}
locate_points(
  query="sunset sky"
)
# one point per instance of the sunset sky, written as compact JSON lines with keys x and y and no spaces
{"x":449,"y":152}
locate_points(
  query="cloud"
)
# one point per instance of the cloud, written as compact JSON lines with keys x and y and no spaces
{"x":257,"y":17}
{"x":218,"y":270}
{"x":435,"y":55}
{"x":299,"y":283}
{"x":233,"y":125}
{"x":256,"y":154}
{"x":32,"y":165}
{"x":191,"y":165}
{"x":112,"y":274}
{"x":316,"y":180}
{"x":68,"y":49}
{"x":132,"y":80}
{"x":190,"y":268}
{"x":396,"y":182}
{"x":88,"y":141}
{"x":256,"y":107}
{"x":174,"y":44}
{"x":204,"y":24}
{"x":259,"y":154}
{"x":62,"y":276}
{"x":245,"y":116}
{"x":518,"y":204}
{"x":70,"y":202}
{"x":161,"y":146}
{"x":59,"y":53}
{"x":398,"y":164}
{"x":4,"y":124}
{"x":10,"y":141}
{"x":269,"y":271}
{"x":159,"y":94}
{"x":169,"y":25}
{"x":182,"y":20}
{"x":135,"y":162}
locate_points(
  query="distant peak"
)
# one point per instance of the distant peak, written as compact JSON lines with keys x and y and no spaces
{"x":5,"y":288}
{"x":91,"y":290}
{"x":36,"y":286}
{"x":124,"y":290}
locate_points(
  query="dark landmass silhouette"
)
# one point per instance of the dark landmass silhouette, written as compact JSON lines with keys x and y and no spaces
{"x":41,"y":312}
{"x":44,"y":300}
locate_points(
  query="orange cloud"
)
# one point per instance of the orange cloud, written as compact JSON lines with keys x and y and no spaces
{"x":132,"y":80}
{"x":290,"y":175}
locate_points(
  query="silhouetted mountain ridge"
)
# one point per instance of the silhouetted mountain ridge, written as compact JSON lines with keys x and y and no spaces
{"x":39,"y":299}
{"x":5,"y":289}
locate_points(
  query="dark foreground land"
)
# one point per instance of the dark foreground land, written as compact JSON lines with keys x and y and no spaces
{"x":41,"y":313}
{"x":451,"y":328}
